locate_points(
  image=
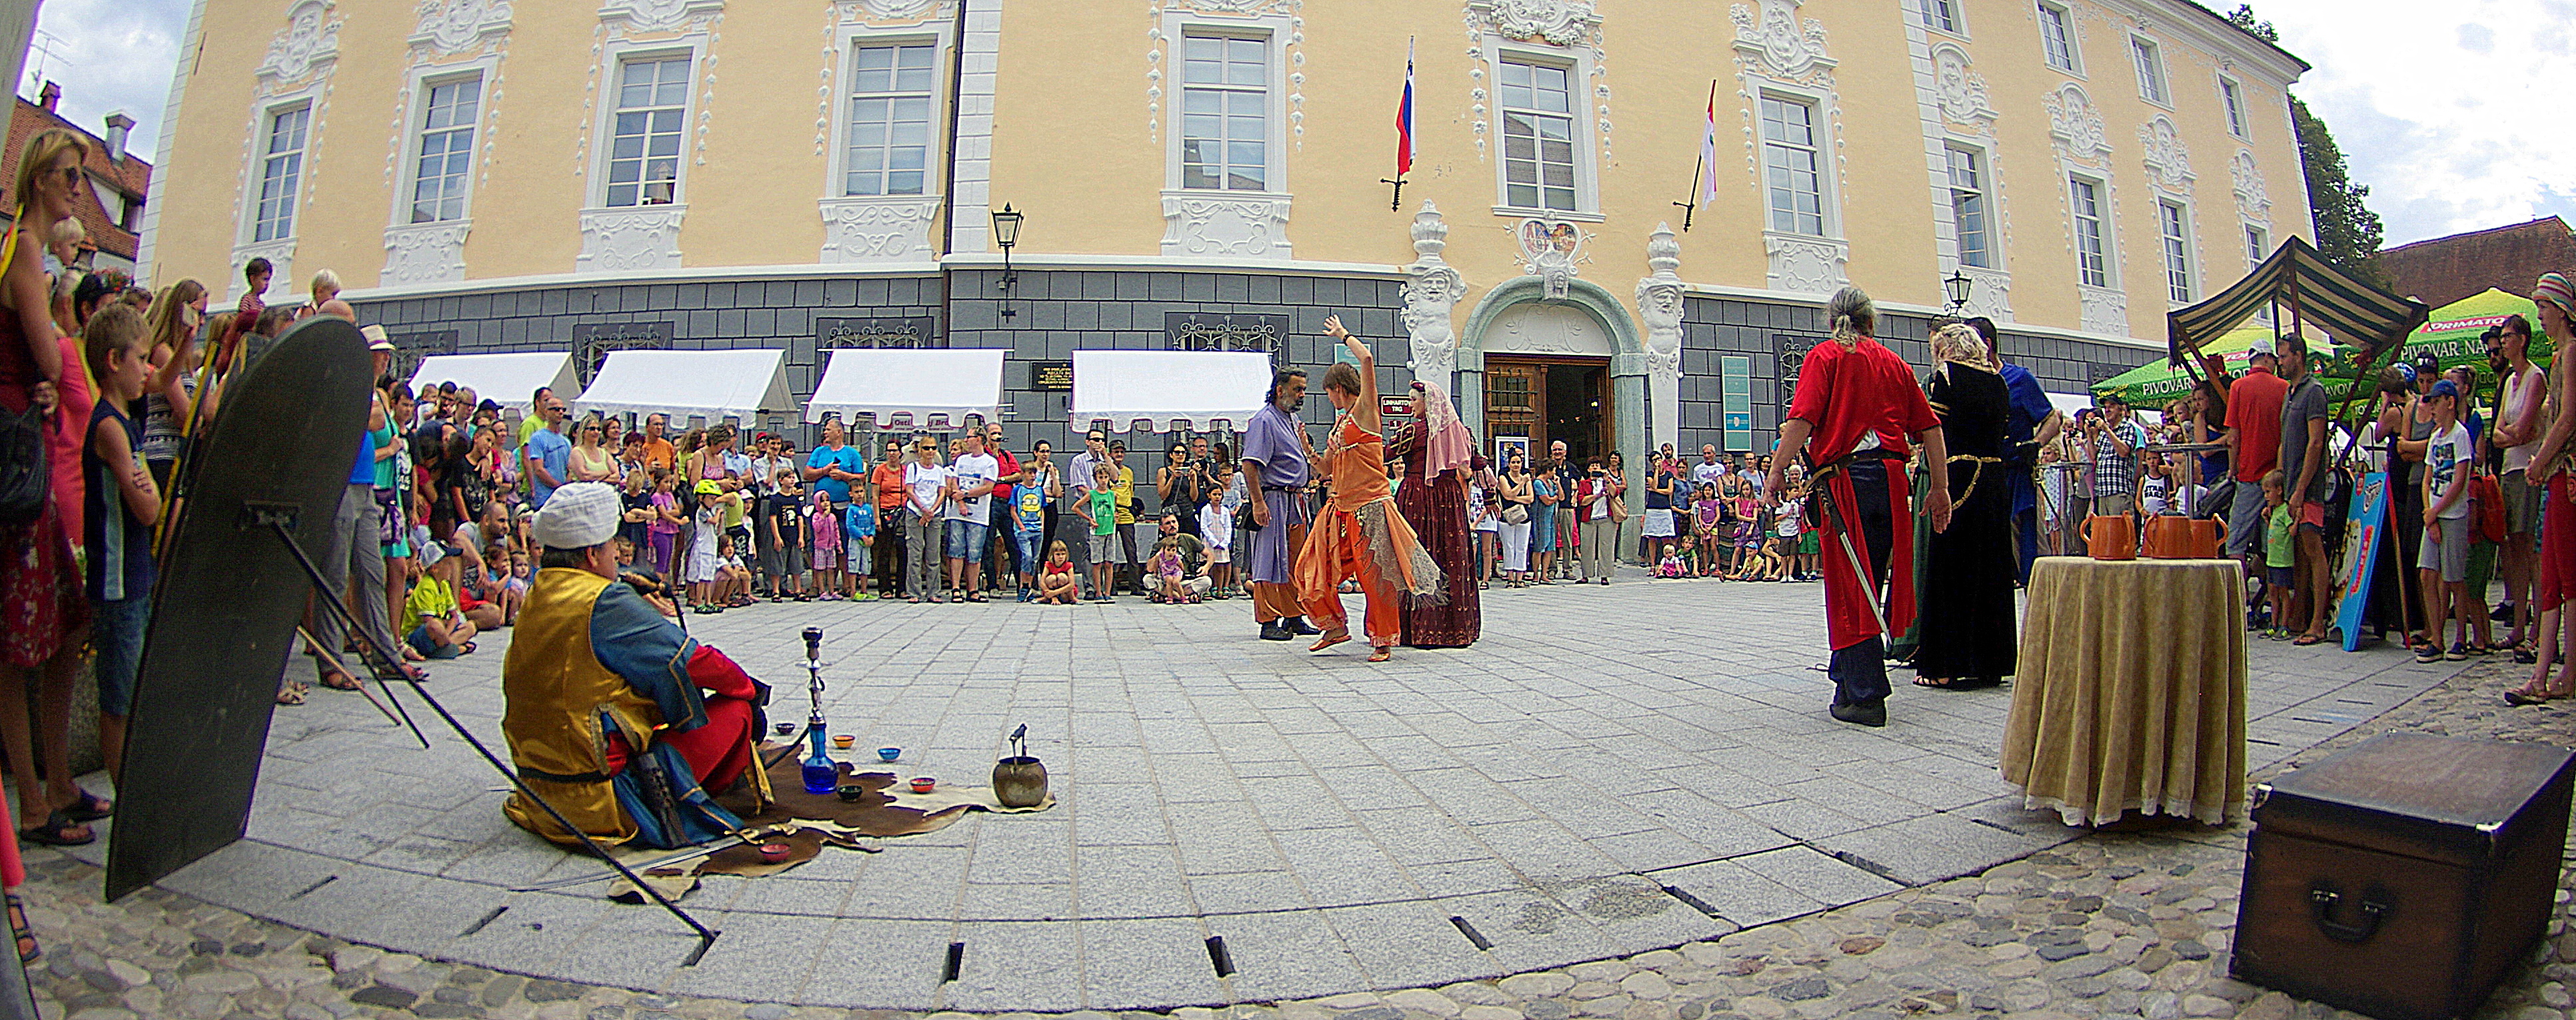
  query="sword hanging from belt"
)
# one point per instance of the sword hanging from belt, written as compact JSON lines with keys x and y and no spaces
{"x":1842,"y":534}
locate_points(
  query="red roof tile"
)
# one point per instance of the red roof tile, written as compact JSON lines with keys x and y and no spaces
{"x":130,"y":175}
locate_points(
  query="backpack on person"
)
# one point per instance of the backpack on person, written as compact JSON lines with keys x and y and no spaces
{"x":2489,"y":498}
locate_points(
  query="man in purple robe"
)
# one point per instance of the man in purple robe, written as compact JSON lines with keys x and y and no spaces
{"x":1275,"y":465}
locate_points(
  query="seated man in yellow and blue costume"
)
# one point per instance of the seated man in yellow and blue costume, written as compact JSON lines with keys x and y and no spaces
{"x":614,"y":715}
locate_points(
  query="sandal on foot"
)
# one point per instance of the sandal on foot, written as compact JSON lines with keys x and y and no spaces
{"x":1330,"y":638}
{"x":291,"y":694}
{"x":52,"y":833}
{"x":1381,"y":654}
{"x":2518,"y":698}
{"x":346,"y":682}
{"x":28,"y":950}
{"x":1938,"y":685}
{"x":2305,"y":640}
{"x":89,"y":808}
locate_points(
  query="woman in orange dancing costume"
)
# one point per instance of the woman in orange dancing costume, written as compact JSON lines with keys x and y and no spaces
{"x":1359,"y":534}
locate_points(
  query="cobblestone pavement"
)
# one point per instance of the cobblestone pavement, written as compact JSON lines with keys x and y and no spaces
{"x":2113,"y":924}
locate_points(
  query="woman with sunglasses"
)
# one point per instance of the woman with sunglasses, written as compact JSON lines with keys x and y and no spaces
{"x":592,"y":460}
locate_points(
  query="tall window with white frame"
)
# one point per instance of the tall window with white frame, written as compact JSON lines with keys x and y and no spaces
{"x":1538,"y":136}
{"x":1942,"y":15}
{"x":2151,"y":70}
{"x":1792,"y":168}
{"x":281,"y":172}
{"x":2258,"y":245}
{"x":1968,"y":208}
{"x":652,"y":116}
{"x":888,"y":148}
{"x":446,"y":151}
{"x":2232,"y":96}
{"x":1225,"y":119}
{"x":2170,"y":221}
{"x":2092,"y":248}
{"x":2057,"y":36}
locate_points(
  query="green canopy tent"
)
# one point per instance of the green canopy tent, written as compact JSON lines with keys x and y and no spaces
{"x":2156,"y":383}
{"x":2452,"y":335}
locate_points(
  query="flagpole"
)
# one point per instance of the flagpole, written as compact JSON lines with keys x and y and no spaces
{"x":1699,"y":163}
{"x":1403,"y":133}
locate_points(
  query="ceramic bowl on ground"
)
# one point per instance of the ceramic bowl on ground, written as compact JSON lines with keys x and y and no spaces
{"x":924,"y":784}
{"x":852,"y":791}
{"x":889,"y":753}
{"x":842,"y":741}
{"x":776,"y":852}
{"x":786,"y":728}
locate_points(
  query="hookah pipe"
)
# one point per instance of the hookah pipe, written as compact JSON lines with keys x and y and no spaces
{"x":813,"y":735}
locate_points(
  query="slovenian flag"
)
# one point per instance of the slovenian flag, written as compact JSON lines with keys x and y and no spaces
{"x":1404,"y":119}
{"x":1708,"y":153}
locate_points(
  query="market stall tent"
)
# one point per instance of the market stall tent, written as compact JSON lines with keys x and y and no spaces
{"x":1162,"y":390}
{"x":709,"y":384}
{"x":505,"y":379}
{"x":916,"y":388}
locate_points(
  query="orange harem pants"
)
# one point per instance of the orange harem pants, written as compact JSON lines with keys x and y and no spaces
{"x":1336,"y":550}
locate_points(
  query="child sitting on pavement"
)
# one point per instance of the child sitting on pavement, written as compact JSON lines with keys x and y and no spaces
{"x":1056,"y":583}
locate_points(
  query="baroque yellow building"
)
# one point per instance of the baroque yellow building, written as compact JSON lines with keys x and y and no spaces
{"x":809,"y":174}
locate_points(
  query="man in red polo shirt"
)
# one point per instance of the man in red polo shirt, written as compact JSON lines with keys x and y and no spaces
{"x":2254,"y":444}
{"x":1857,"y":406}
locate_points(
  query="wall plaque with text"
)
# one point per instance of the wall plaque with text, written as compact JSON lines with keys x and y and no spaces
{"x":1051,"y":376}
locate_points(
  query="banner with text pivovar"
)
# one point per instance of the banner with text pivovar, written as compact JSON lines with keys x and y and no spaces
{"x":2368,"y":517}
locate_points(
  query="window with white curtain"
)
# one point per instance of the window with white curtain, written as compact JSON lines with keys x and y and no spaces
{"x":652,"y":116}
{"x":2092,"y":247}
{"x":446,"y":157}
{"x":1225,"y":101}
{"x":1538,"y":136}
{"x":1968,"y":213}
{"x":281,"y":173}
{"x":1792,"y":167}
{"x":887,"y":150}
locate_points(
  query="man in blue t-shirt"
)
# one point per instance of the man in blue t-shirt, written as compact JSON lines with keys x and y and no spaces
{"x":833,"y":466}
{"x":548,"y":454}
{"x":2030,"y":422}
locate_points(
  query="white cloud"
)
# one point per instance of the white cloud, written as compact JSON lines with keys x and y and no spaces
{"x":2452,"y":113}
{"x":110,"y":55}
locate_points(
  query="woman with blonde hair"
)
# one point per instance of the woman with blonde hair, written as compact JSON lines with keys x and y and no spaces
{"x":1967,"y":631}
{"x":41,"y":590}
{"x":169,"y":399}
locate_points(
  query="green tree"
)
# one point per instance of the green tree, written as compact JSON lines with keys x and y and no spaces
{"x":2348,"y":233}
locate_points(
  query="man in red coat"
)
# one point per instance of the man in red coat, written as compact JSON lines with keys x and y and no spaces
{"x":1856,"y":408}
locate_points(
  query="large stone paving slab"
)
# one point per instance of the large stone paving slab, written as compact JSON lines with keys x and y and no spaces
{"x":1611,"y":770}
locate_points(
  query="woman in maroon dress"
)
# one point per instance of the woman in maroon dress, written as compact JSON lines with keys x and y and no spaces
{"x":43,"y":611}
{"x":1436,"y":448}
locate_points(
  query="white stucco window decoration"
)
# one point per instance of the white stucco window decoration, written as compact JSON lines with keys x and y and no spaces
{"x":1224,"y":67}
{"x":2088,"y":200}
{"x":882,"y":198}
{"x":2245,"y":178}
{"x":1542,"y":166}
{"x":1786,"y":80}
{"x":1969,"y":226}
{"x":289,"y":108}
{"x":441,"y":143}
{"x":1540,"y":100}
{"x":2057,"y":37}
{"x":652,"y":75}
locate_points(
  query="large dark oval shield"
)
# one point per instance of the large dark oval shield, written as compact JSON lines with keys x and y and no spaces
{"x":230,"y":595}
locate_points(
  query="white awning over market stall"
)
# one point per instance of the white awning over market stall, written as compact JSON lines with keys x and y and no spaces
{"x":712,"y":384}
{"x":2069,"y":403}
{"x":1161,"y":390}
{"x":911,"y":388}
{"x":504,"y":379}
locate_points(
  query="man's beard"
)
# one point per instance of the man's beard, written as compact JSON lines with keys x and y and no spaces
{"x":1298,"y":404}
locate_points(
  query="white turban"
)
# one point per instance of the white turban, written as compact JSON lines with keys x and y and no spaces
{"x":578,"y":516}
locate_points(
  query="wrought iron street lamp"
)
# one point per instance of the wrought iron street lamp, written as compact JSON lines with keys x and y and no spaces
{"x":1006,"y":232}
{"x":1958,"y":286}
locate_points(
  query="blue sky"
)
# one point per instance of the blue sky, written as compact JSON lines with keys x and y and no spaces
{"x":2453,"y":112}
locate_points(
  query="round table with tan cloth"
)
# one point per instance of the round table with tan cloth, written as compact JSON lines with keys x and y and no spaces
{"x":2131,"y":691}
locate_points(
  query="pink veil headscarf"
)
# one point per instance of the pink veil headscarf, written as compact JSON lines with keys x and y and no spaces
{"x":1446,"y":442}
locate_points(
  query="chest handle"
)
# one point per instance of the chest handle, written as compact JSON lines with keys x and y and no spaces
{"x":2376,"y":904}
